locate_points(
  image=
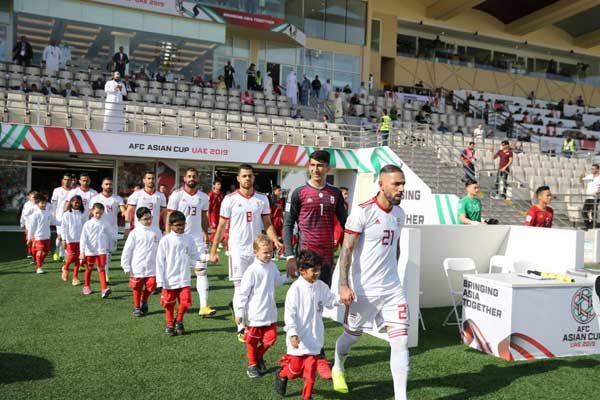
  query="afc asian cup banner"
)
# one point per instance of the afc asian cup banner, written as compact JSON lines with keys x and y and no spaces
{"x":527,"y":323}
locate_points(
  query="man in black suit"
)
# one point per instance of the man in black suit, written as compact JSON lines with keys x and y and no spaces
{"x":121,"y":60}
{"x":68,"y":91}
{"x":49,"y":89}
{"x":22,"y":52}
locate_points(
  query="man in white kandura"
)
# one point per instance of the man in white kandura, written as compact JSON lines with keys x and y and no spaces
{"x":291,"y":87}
{"x":52,"y":57}
{"x":113,"y":205}
{"x":113,"y":104}
{"x":193,"y":203}
{"x":373,"y":292}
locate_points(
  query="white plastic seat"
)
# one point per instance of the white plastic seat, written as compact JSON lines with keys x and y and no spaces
{"x":452,"y":268}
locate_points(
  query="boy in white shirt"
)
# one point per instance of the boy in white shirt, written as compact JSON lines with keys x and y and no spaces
{"x":71,"y":223}
{"x":28,"y":209}
{"x":176,"y":253}
{"x":304,"y":328}
{"x":38,"y":234}
{"x":95,"y":245}
{"x":256,"y":305}
{"x":139,"y":260}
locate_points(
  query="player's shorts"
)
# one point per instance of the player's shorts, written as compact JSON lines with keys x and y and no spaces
{"x":170,"y":296}
{"x":377,"y":312}
{"x":73,"y":249}
{"x":41,"y":245}
{"x":238,"y":263}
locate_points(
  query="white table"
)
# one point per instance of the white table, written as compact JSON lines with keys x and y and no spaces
{"x":517,"y":318}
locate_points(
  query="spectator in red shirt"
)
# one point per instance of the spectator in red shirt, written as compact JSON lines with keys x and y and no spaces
{"x":505,"y":155}
{"x":468,"y":159}
{"x":215,"y":198}
{"x":277,"y":207}
{"x":541,"y":214}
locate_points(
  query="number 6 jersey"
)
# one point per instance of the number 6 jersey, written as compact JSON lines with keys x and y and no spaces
{"x":245,"y":219}
{"x":374,"y":263}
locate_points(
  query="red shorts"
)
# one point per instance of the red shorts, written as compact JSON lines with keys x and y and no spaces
{"x":171,"y":296}
{"x":100,"y":259}
{"x":267,"y":335}
{"x":41,"y":245}
{"x":139,"y":283}
{"x":73,"y":249}
{"x":299,"y":366}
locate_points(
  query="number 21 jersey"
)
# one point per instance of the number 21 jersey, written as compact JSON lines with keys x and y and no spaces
{"x":374,"y":262}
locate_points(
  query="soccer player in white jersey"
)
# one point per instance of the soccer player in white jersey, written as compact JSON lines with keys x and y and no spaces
{"x":59,"y":196}
{"x":193,"y":203}
{"x":84,"y":191}
{"x":247,"y":213}
{"x":150,"y":198}
{"x":113,"y":205}
{"x":373,"y":293}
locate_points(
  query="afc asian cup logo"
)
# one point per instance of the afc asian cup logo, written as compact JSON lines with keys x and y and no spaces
{"x":581,"y":306}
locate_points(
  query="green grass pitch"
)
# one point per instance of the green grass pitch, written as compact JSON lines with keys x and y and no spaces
{"x":57,"y":344}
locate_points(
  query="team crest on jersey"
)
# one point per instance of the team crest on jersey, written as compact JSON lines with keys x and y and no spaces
{"x":320,"y":307}
{"x":332,"y":199}
{"x":321,"y":194}
{"x":309,"y":200}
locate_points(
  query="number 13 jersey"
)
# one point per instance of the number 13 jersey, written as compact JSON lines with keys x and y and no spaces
{"x":374,"y":263}
{"x":245,"y":219}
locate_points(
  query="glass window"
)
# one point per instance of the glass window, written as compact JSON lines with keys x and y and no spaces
{"x":375,"y":35}
{"x":225,"y":49}
{"x":406,"y":45}
{"x":504,"y":60}
{"x":241,"y":47}
{"x":314,"y":18}
{"x":480,"y":56}
{"x":318,"y":58}
{"x":335,"y":20}
{"x":346,"y":62}
{"x":279,"y":53}
{"x":13,"y":188}
{"x":356,"y":18}
{"x":341,"y":79}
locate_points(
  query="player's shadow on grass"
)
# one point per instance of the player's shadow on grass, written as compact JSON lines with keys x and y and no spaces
{"x":492,"y":378}
{"x":24,"y":367}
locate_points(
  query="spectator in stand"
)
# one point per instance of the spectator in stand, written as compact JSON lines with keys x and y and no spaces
{"x":268,"y":85}
{"x":505,"y":155}
{"x":426,"y":108}
{"x":469,"y":207}
{"x":347,"y":90}
{"x":291,"y":88}
{"x":246,"y":98}
{"x":316,"y":86}
{"x":22,"y":52}
{"x":419,"y":85}
{"x":22,"y":86}
{"x":305,"y":88}
{"x":408,"y":105}
{"x":158,"y":77}
{"x":51,"y":57}
{"x":325,"y":90}
{"x":220,"y":84}
{"x":49,"y":90}
{"x":338,"y":106}
{"x":298,"y":115}
{"x":479,"y":132}
{"x":394,"y":113}
{"x":141,"y":75}
{"x":121,"y":60}
{"x":129,"y":84}
{"x":198,"y":81}
{"x":468,"y":159}
{"x":509,"y":125}
{"x":531,"y":98}
{"x":459,"y":131}
{"x":579,"y":102}
{"x":258,"y":82}
{"x":363,"y":90}
{"x":169,"y":76}
{"x":420,"y":118}
{"x":325,"y":119}
{"x":98,"y":84}
{"x":590,"y":207}
{"x":33,"y":88}
{"x":68,"y":91}
{"x":568,"y":147}
{"x":443,"y":128}
{"x":384,"y":126}
{"x":526,"y":137}
{"x":354,"y":99}
{"x":251,"y":77}
{"x":541,"y":214}
{"x":228,"y":72}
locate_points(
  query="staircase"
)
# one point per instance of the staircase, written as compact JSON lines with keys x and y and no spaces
{"x":443,"y":177}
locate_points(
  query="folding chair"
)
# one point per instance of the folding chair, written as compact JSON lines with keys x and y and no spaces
{"x":457,"y":266}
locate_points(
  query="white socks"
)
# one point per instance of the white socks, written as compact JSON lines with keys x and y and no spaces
{"x":60,"y":248}
{"x":399,"y":362}
{"x":236,"y":289}
{"x":202,"y":288}
{"x":342,"y":348}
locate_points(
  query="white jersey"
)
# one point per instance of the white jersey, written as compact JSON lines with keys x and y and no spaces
{"x":72,"y":225}
{"x":192,"y":206}
{"x":59,"y":196}
{"x":28,"y":208}
{"x":95,"y":238}
{"x":175,"y":255}
{"x":86,"y":197}
{"x":112,"y":206}
{"x":374,"y":260}
{"x":39,"y":224}
{"x":139,"y":252}
{"x":304,"y":303}
{"x":245,"y":219}
{"x":256,"y":297}
{"x":154,"y":201}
